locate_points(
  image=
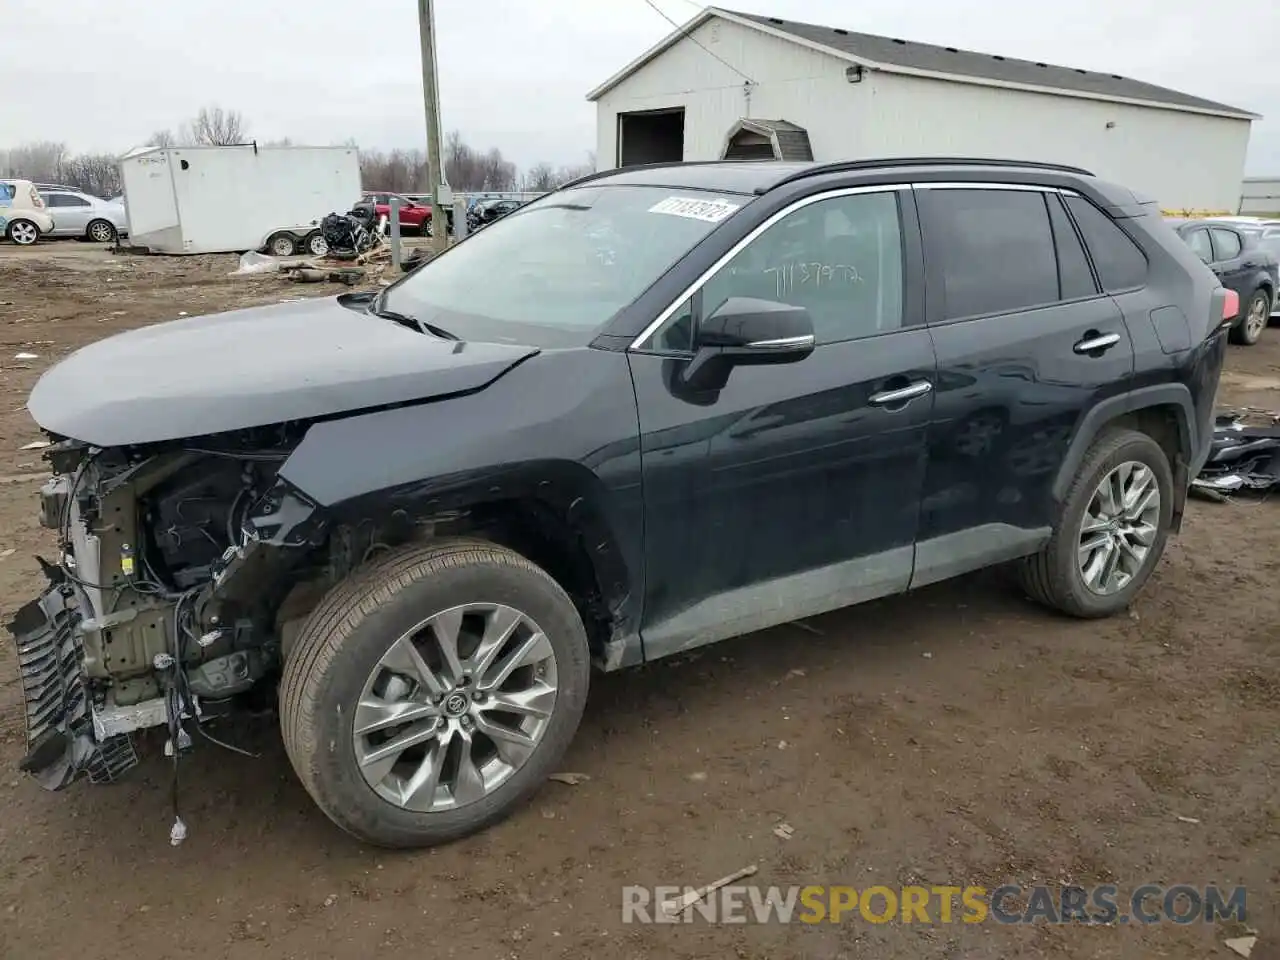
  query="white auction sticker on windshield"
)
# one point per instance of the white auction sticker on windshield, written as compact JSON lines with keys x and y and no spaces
{"x":712,"y":211}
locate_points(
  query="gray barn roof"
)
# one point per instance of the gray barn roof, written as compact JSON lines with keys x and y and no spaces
{"x":895,"y":55}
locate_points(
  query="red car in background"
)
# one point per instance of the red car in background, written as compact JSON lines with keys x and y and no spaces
{"x":413,"y":216}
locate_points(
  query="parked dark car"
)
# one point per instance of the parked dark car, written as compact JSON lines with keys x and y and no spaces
{"x":651,"y":410}
{"x":1242,"y":262}
{"x":488,"y":211}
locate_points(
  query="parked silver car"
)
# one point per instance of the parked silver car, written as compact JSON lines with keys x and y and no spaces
{"x":77,"y":214}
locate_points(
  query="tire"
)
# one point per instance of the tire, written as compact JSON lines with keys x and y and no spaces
{"x":101,"y":231}
{"x":1253,"y":319}
{"x":340,"y":652}
{"x":1053,"y":577}
{"x":313,"y":244}
{"x":22,"y":232}
{"x":282,"y":245}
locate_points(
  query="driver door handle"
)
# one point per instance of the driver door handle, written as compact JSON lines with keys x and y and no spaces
{"x":902,"y":395}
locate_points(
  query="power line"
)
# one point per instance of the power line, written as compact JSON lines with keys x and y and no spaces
{"x":685,"y":33}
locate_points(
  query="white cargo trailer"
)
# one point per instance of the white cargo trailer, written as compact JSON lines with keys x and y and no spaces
{"x":236,"y":198}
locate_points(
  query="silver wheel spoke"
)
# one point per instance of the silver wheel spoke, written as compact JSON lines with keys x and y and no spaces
{"x":403,"y":657}
{"x":469,"y":783}
{"x":420,"y":789}
{"x":374,"y":715}
{"x":1091,"y":546}
{"x":536,"y":648}
{"x":537,"y":701}
{"x":499,"y":627}
{"x":513,"y":746}
{"x":446,"y":627}
{"x":1093,"y":524}
{"x":1145,"y":532}
{"x":377,"y":763}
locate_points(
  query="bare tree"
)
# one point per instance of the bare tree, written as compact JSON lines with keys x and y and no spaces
{"x":162,"y":138}
{"x":41,"y":162}
{"x":539,"y":178}
{"x":282,"y":142}
{"x":94,"y":173}
{"x":215,"y":126}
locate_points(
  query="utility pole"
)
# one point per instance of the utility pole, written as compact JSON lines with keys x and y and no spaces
{"x":431,"y":97}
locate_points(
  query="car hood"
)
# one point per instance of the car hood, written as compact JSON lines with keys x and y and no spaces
{"x":252,"y":368}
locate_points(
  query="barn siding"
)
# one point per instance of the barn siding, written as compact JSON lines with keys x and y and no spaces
{"x":1186,"y":161}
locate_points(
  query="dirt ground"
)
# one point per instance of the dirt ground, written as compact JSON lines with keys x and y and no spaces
{"x":955,"y":736}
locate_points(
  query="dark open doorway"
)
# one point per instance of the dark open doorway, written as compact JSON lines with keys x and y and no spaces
{"x":651,"y":136}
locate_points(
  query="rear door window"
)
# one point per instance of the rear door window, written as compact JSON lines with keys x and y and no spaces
{"x":1198,"y":241}
{"x":977,"y":237}
{"x":1075,"y":280}
{"x":1226,"y":244}
{"x":1120,"y":263}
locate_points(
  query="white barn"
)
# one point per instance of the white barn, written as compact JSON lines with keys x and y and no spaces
{"x":748,"y":86}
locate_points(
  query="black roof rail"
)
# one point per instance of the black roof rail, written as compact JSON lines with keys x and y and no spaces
{"x":662,"y":164}
{"x":841,"y":165}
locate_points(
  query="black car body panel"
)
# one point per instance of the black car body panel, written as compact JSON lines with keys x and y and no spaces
{"x":1235,"y":256}
{"x":254,"y":367}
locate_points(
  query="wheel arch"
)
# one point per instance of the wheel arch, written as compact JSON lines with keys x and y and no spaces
{"x":1165,"y":412}
{"x":554,"y":513}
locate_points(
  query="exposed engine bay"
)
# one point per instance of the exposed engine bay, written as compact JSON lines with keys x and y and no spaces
{"x":183,"y":571}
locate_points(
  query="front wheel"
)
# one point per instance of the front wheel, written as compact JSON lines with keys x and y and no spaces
{"x":433,"y":692}
{"x":22,"y":232}
{"x":1257,"y":314}
{"x":1111,"y":532}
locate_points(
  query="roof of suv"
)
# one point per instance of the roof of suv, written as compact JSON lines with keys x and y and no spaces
{"x":760,"y":176}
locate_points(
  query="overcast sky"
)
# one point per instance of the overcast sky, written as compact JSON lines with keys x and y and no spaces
{"x":514,"y":73}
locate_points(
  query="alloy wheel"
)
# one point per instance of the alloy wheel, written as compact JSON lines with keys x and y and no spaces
{"x":101,"y":232}
{"x":1119,"y":528}
{"x":455,"y":707}
{"x":317,"y":246}
{"x":24,"y":233}
{"x":1258,"y":315}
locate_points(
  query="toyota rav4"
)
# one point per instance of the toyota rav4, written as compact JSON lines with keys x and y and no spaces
{"x":656,"y":408}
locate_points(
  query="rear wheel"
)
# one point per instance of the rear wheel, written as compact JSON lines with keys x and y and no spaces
{"x":282,"y":245}
{"x":22,"y":232}
{"x":433,"y":692}
{"x":101,"y":231}
{"x":1111,"y":531}
{"x":1257,"y":314}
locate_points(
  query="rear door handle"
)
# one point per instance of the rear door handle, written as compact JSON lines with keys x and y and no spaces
{"x":1096,"y":343}
{"x":903,"y":395}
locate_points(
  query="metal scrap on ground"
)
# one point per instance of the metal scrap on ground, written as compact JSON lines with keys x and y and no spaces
{"x":1242,"y":457}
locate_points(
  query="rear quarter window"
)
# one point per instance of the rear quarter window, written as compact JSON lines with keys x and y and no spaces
{"x":1118,"y":261}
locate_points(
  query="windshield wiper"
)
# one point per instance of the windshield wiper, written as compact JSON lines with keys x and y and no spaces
{"x":377,"y":309}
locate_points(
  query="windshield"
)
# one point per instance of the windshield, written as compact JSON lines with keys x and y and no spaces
{"x":553,"y":272}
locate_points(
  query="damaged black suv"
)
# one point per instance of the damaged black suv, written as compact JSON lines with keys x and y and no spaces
{"x":656,"y":408}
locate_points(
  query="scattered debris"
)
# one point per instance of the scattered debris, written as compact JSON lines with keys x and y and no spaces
{"x":36,"y":445}
{"x":8,"y":553}
{"x":698,"y":776}
{"x":797,"y":672}
{"x":1241,"y":945}
{"x":26,"y":356}
{"x":782,"y":744}
{"x":1187,"y":820}
{"x":784,"y":831}
{"x":690,"y":897}
{"x":330,"y":900}
{"x":927,"y":655}
{"x":1240,"y":457}
{"x":572,"y":779}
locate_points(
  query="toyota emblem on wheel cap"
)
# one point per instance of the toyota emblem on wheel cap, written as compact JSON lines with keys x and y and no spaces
{"x":455,"y":704}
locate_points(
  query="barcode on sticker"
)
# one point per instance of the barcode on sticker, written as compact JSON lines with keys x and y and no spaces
{"x":712,"y":211}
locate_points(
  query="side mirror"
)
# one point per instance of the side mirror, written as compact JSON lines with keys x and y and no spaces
{"x":748,"y":330}
{"x":745,"y":331}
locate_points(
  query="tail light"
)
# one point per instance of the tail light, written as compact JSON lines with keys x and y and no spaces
{"x":1230,"y":304}
{"x":37,"y":201}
